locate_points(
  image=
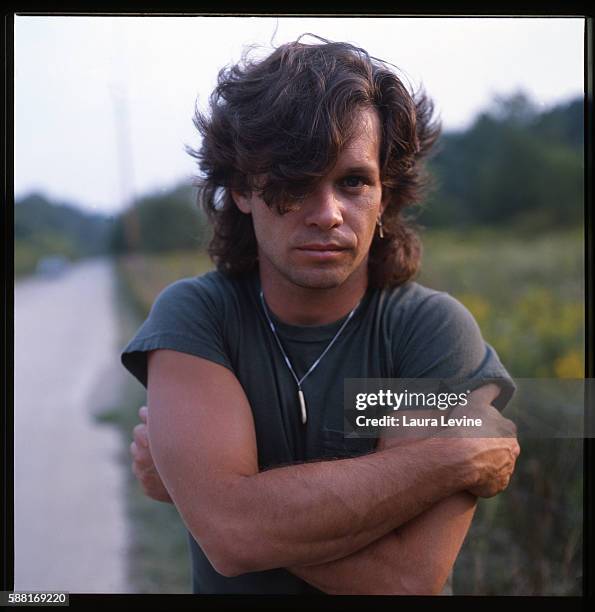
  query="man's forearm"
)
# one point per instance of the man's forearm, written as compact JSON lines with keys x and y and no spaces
{"x":319,"y":512}
{"x":368,"y":571}
{"x":385,"y":566}
{"x":414,"y":559}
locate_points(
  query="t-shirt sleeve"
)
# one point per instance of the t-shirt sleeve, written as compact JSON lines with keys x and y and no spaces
{"x":443,"y":341}
{"x":186,"y":317}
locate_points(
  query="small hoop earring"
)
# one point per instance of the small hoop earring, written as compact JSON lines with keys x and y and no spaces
{"x":380,"y":228}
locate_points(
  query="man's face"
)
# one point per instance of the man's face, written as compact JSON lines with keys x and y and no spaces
{"x":325,"y":240}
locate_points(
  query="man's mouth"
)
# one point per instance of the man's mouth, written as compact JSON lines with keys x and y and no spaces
{"x":322,"y":251}
{"x":319,"y":246}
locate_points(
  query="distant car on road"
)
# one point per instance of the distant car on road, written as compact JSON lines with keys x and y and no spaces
{"x":52,"y":265}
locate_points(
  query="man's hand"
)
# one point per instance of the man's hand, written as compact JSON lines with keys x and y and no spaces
{"x":497,"y":452}
{"x":496,"y":455}
{"x":142,"y":461}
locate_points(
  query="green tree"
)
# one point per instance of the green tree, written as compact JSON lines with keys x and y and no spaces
{"x":161,"y":222}
{"x":514,"y":165}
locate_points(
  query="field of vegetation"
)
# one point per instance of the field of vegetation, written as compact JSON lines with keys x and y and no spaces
{"x":526,"y":293}
{"x":159,"y":560}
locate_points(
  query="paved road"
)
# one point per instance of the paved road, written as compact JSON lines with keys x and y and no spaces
{"x":70,"y":523}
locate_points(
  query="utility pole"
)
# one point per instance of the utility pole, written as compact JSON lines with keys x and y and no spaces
{"x":124,"y":157}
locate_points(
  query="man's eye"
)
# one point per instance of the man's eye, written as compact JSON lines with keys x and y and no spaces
{"x":354,"y":181}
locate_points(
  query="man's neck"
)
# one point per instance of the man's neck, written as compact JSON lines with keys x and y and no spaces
{"x":297,"y":305}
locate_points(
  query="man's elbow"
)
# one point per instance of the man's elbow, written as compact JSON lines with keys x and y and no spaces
{"x":230,"y":551}
{"x":235,"y":561}
{"x":227,"y":566}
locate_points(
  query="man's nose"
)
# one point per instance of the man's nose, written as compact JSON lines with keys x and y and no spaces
{"x":323,"y":208}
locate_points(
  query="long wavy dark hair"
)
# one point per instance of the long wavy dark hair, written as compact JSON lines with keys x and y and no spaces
{"x":278,"y":124}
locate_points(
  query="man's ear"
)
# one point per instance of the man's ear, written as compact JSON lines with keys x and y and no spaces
{"x":243,"y":200}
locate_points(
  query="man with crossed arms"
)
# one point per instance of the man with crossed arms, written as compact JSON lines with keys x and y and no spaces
{"x":308,"y":158}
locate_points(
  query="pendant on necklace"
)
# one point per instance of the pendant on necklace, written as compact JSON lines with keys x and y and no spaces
{"x":302,"y":406}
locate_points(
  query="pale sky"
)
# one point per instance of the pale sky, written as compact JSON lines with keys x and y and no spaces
{"x":73,"y":73}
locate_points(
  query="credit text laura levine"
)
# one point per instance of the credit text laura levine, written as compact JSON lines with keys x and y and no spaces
{"x":410,"y":421}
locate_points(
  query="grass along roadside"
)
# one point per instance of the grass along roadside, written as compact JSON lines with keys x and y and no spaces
{"x":159,"y":560}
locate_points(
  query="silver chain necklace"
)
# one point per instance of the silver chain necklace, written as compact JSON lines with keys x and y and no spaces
{"x":299,"y":381}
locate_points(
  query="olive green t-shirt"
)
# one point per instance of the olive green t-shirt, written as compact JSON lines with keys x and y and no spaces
{"x":406,"y":332}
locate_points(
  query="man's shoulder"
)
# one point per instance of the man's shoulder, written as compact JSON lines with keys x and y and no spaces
{"x":411,"y":290}
{"x":192,"y":315}
{"x":414,"y":305}
{"x":190,"y":302}
{"x":411,"y":296}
